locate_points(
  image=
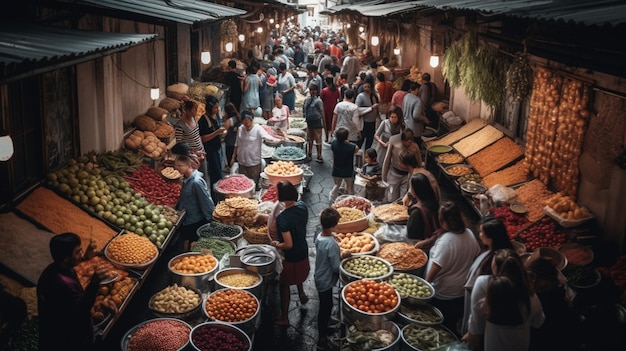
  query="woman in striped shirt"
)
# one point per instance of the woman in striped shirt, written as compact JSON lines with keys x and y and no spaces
{"x":187,"y":131}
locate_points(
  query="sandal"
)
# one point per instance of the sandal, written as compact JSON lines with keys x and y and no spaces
{"x":320,"y":160}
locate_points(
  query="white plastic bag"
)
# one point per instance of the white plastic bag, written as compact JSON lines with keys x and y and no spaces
{"x":391,"y":233}
{"x":501,"y":194}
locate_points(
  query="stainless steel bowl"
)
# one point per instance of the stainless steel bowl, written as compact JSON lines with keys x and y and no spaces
{"x":255,"y":289}
{"x":249,"y":325}
{"x":232,"y":239}
{"x":410,"y":298}
{"x":225,"y":327}
{"x":347,"y":277}
{"x":189,"y":314}
{"x":258,"y":258}
{"x":408,"y":346}
{"x":380,"y":325}
{"x":200,"y":281}
{"x":129,"y":334}
{"x":248,"y":193}
{"x":351,"y":315}
{"x":403,"y":317}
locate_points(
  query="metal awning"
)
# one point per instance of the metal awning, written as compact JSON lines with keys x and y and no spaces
{"x":31,"y":49}
{"x":349,"y":7}
{"x":181,"y":11}
{"x":388,"y":9}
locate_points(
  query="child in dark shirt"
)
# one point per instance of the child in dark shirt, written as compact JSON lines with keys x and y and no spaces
{"x":371,"y":168}
{"x":343,"y":162}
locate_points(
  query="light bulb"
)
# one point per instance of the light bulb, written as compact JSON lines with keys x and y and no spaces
{"x":348,"y":25}
{"x":242,"y":37}
{"x":361,"y":29}
{"x":6,"y":147}
{"x":277,"y":26}
{"x":375,"y":40}
{"x":271,"y":20}
{"x":259,"y":30}
{"x":205,"y":57}
{"x":229,"y":47}
{"x":154,"y":93}
{"x":434,"y":61}
{"x":396,"y":51}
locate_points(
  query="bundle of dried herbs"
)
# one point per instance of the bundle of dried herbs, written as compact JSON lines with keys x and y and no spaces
{"x":519,"y":78}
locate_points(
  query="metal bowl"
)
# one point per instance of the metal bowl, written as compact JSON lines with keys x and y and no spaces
{"x":591,"y":275}
{"x":407,"y":346}
{"x":372,"y":327}
{"x":583,"y":257}
{"x":248,"y":193}
{"x":473,"y":188}
{"x":232,"y":239}
{"x":224,"y":327}
{"x":258,"y":258}
{"x":200,"y":281}
{"x":558,"y":259}
{"x":347,"y":277}
{"x":254,"y":288}
{"x":351,"y":314}
{"x":129,"y":334}
{"x":412,"y":299}
{"x":249,"y":325}
{"x":181,"y":315}
{"x":406,"y":311}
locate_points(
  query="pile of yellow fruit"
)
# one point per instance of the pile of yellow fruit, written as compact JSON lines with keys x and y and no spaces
{"x":566,"y":207}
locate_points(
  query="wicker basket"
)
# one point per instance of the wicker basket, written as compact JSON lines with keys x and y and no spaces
{"x":253,"y":237}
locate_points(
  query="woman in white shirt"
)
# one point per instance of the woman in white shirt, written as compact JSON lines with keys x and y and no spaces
{"x":280,"y":114}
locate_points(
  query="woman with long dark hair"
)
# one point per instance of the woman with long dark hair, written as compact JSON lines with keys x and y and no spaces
{"x":423,"y":223}
{"x":211,"y":131}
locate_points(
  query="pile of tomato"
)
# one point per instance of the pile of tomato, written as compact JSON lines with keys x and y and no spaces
{"x":543,"y":233}
{"x":149,"y":183}
{"x":371,"y":296}
{"x":514,"y":222}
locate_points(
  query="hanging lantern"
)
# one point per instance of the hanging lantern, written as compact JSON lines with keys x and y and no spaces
{"x":154,"y":93}
{"x":348,"y":25}
{"x":205,"y":57}
{"x":361,"y":29}
{"x":271,"y":21}
{"x":229,"y":47}
{"x":6,"y":147}
{"x":396,"y":51}
{"x":277,"y":25}
{"x":434,"y":61}
{"x":259,"y":30}
{"x":242,"y":37}
{"x":375,"y":40}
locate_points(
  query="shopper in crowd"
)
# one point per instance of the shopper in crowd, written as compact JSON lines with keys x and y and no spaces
{"x":394,"y":172}
{"x":291,"y":228}
{"x":195,"y":199}
{"x":450,"y":259}
{"x":493,"y":236}
{"x":63,"y":304}
{"x":410,"y":161}
{"x":371,"y":168}
{"x":232,"y":123}
{"x":211,"y":133}
{"x":343,"y":162}
{"x":504,"y":306}
{"x":351,"y":67}
{"x":423,"y":223}
{"x":398,"y":96}
{"x":328,"y":256}
{"x":413,"y":109}
{"x":266,"y":92}
{"x":346,"y":115}
{"x":313,"y":78}
{"x":330,"y":98}
{"x":233,"y":79}
{"x":250,"y":90}
{"x":182,"y":148}
{"x":428,"y":94}
{"x":358,"y":83}
{"x":248,"y":145}
{"x":187,"y":131}
{"x":385,"y":90}
{"x":367,"y":101}
{"x":562,"y":329}
{"x":342,"y":84}
{"x":280,"y":114}
{"x":333,"y":68}
{"x":286,"y":86}
{"x":392,"y":125}
{"x":298,"y":56}
{"x":313,"y":110}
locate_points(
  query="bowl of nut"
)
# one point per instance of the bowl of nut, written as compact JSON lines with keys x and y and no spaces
{"x":176,"y":301}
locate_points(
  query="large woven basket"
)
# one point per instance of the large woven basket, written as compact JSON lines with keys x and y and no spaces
{"x":254,"y":237}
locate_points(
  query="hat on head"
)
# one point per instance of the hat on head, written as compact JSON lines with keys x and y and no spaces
{"x":247,"y":114}
{"x":271,"y":81}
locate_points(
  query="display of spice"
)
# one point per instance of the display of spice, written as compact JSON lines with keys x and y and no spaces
{"x":495,"y":156}
{"x":452,"y":137}
{"x":358,"y":202}
{"x":477,"y":141}
{"x":159,"y":335}
{"x":533,"y":195}
{"x":236,"y":210}
{"x":288,"y":153}
{"x":511,"y":175}
{"x":219,"y":230}
{"x":235,"y":183}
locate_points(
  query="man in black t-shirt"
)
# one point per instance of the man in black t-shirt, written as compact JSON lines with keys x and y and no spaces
{"x":232,"y":78}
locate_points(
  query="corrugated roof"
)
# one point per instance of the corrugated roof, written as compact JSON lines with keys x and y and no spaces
{"x":598,"y":12}
{"x":346,"y":7}
{"x":388,"y":9}
{"x":182,"y":11}
{"x":28,"y":42}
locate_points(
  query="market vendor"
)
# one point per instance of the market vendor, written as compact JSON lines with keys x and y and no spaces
{"x":64,"y":306}
{"x":394,"y":172}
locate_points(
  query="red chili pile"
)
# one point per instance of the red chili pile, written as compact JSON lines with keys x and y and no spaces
{"x":271,"y":194}
{"x":543,"y":233}
{"x":211,"y":338}
{"x":235,"y":184}
{"x":147,"y":182}
{"x":513,"y":221}
{"x":159,"y":335}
